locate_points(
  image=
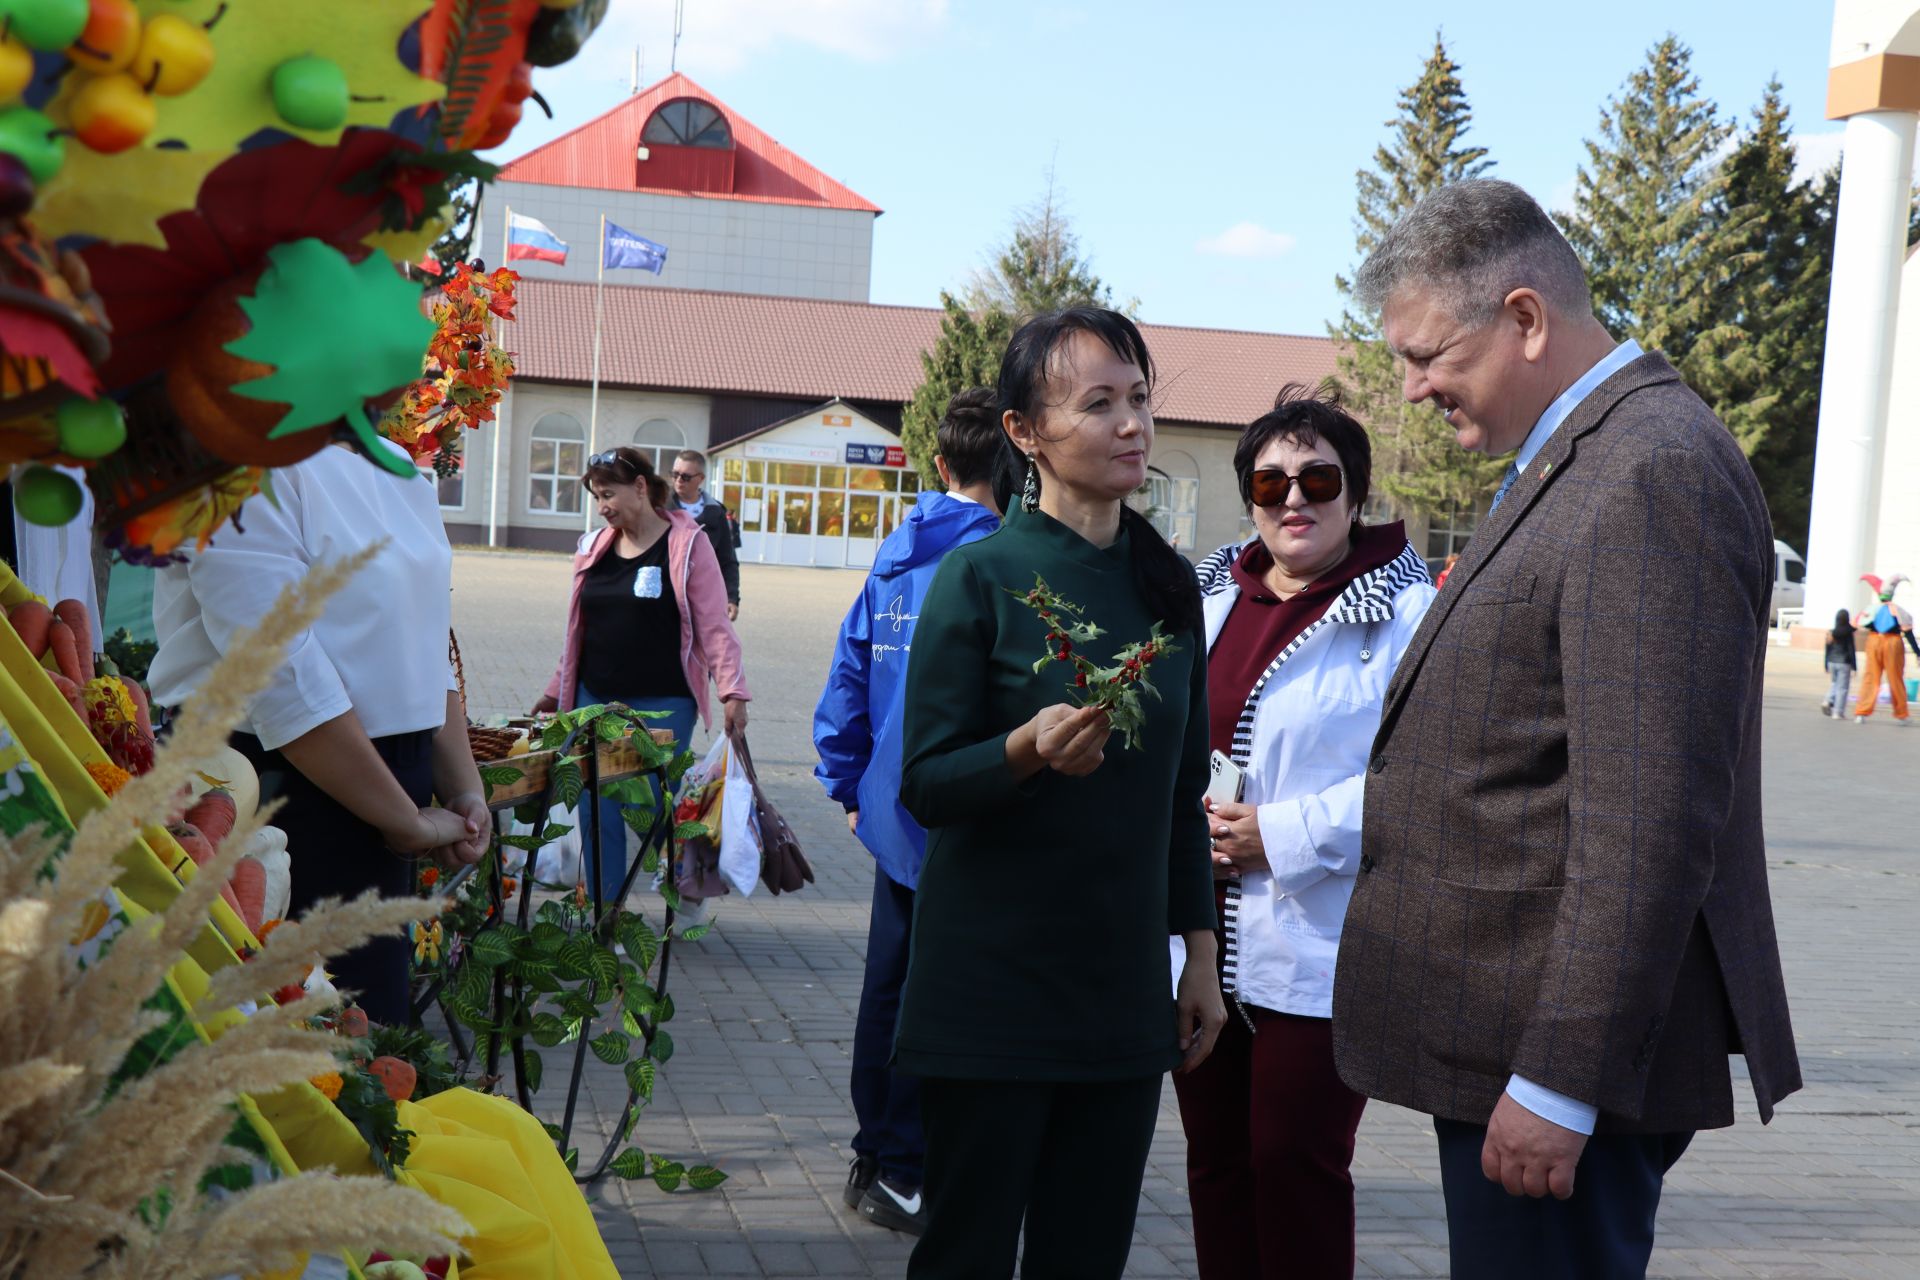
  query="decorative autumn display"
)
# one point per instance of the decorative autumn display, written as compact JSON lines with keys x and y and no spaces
{"x":466,"y":373}
{"x":1116,"y":689}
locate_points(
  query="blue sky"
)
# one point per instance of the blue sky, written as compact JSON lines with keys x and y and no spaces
{"x":1204,"y":151}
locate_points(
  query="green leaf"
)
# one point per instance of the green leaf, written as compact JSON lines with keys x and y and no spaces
{"x":554,"y":1131}
{"x":491,"y":948}
{"x":576,"y":1004}
{"x":689,"y":830}
{"x":696,"y":932}
{"x":481,"y":1041}
{"x":568,"y":783}
{"x":611,"y":1048}
{"x":668,"y":1173}
{"x":704,"y":1177}
{"x":641,"y":999}
{"x":663,"y":1008}
{"x":376,"y":337}
{"x":534,"y":1068}
{"x":671,"y":894}
{"x":605,"y":967}
{"x":548,"y":1030}
{"x":640,"y":1074}
{"x":662,"y":1047}
{"x":576,"y":957}
{"x":638,"y":937}
{"x":553,"y":832}
{"x":572,"y":1159}
{"x":499,"y":775}
{"x":629,"y":1164}
{"x":554,"y":734}
{"x":650,"y":860}
{"x":548,"y":937}
{"x":630,"y":1024}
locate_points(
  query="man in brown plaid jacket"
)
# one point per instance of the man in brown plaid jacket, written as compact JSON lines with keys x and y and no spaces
{"x":1561,"y":927}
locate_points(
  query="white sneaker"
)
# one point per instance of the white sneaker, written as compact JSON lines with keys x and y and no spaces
{"x":1859,"y":719}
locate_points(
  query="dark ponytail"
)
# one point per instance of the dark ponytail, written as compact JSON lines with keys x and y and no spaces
{"x":1164,"y":577}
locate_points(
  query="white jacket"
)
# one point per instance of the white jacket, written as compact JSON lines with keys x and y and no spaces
{"x":1302,"y":743}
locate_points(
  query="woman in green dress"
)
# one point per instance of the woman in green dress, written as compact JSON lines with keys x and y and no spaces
{"x":1036,"y":1007}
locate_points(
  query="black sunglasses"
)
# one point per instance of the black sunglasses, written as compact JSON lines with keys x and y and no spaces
{"x":611,"y":458}
{"x":1319,"y":482}
{"x":689,"y":475}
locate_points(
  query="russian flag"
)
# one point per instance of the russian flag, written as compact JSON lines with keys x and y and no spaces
{"x":531,"y":238}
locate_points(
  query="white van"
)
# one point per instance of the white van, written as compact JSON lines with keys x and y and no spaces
{"x":1789,"y":581}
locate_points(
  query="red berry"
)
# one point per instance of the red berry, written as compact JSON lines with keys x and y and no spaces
{"x":1081,"y":680}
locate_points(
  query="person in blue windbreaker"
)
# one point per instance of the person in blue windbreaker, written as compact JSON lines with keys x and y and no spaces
{"x":857,"y":731}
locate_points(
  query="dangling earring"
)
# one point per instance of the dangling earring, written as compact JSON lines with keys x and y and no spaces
{"x":1030,"y":491}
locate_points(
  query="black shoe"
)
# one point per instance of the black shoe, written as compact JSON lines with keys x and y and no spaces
{"x":887,"y":1206}
{"x":860,"y":1176}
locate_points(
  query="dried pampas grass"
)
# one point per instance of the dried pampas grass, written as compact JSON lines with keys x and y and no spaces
{"x":84,"y":1167}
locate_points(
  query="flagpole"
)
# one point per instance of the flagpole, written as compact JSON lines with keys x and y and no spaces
{"x":500,"y":424}
{"x":593,"y":405}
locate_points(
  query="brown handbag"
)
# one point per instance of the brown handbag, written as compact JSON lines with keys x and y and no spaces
{"x":783,"y":867}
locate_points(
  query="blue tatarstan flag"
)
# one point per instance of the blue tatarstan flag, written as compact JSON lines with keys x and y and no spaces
{"x":625,"y":249}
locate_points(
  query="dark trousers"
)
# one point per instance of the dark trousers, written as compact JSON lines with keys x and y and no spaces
{"x":336,"y":855}
{"x":1604,"y":1231}
{"x":886,"y":1102}
{"x":1270,"y":1131}
{"x":1067,"y":1159}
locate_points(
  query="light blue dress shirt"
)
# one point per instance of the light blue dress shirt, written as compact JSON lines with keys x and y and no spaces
{"x":1568,"y":1113}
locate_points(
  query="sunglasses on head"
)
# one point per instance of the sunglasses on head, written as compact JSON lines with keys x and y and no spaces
{"x":1319,"y":482}
{"x":611,"y":458}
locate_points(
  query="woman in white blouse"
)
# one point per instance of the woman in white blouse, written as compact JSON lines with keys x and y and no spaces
{"x":361,"y":727}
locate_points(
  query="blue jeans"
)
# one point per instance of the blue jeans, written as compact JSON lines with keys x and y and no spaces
{"x":610,"y":832}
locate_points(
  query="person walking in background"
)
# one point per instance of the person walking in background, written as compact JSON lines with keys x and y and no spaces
{"x":1305,"y":622}
{"x":647,"y":625}
{"x":690,"y":494}
{"x":857,"y":730}
{"x":1840,"y":665}
{"x":1036,"y":1008}
{"x":1561,"y":927}
{"x":1888,"y":626}
{"x":1453,"y":558}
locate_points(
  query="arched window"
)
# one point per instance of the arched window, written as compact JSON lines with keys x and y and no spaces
{"x":557,"y":457}
{"x":1170,"y":500}
{"x":660,"y":439}
{"x":688,"y":122}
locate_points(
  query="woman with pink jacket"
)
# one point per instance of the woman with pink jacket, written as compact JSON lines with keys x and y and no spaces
{"x":647,"y":623}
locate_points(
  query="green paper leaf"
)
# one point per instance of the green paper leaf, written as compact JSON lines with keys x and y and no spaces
{"x":640,"y":1077}
{"x":704,"y":1177}
{"x":534,"y":1069}
{"x":611,"y":1048}
{"x":629,"y":1164}
{"x":668,"y":1173}
{"x":662,"y":1047}
{"x":376,"y":338}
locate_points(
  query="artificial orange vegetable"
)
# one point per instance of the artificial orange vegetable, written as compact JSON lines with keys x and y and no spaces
{"x":66,"y":650}
{"x":74,"y":614}
{"x":30,"y":620}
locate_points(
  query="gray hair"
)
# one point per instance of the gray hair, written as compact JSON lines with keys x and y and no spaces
{"x":1471,"y":244}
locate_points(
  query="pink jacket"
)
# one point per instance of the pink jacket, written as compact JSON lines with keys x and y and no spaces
{"x":708,"y":644}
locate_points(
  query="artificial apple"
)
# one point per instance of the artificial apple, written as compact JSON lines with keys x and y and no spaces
{"x":112,"y":113}
{"x":90,"y":428}
{"x":310,"y":92}
{"x":111,"y":38}
{"x":16,"y":69}
{"x":44,"y":496}
{"x":32,"y":139}
{"x":175,"y":55}
{"x":44,"y":24}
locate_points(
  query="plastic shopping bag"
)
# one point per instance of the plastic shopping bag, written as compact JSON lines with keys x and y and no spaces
{"x":717,"y":794}
{"x":557,"y":862}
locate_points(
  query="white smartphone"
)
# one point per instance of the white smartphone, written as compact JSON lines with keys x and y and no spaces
{"x":1225,"y":781}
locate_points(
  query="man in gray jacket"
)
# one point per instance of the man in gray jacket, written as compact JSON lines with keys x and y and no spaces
{"x":1561,"y":927}
{"x":689,"y":490}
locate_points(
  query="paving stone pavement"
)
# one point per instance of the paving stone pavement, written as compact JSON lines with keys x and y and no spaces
{"x":766,"y":1003}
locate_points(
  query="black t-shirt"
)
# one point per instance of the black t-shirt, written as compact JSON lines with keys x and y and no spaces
{"x":631,"y":619}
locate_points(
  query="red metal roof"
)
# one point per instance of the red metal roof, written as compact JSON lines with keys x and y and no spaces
{"x":600,"y":154}
{"x":799,"y":348}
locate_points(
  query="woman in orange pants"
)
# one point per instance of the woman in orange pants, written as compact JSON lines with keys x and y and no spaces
{"x":1888,"y":630}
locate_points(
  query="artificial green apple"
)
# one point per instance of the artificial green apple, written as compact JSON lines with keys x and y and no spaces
{"x":90,"y":428}
{"x":310,"y":92}
{"x":16,"y":69}
{"x":111,"y":38}
{"x":45,"y":497}
{"x":30,"y":138}
{"x":112,"y":113}
{"x":175,"y":55}
{"x":44,"y":24}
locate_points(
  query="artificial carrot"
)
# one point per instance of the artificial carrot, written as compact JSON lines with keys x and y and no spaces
{"x":75,"y":696}
{"x":30,"y":620}
{"x":74,"y":614}
{"x":249,"y":885}
{"x":66,"y":650}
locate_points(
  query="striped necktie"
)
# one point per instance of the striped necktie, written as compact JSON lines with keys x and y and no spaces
{"x":1506,"y":483}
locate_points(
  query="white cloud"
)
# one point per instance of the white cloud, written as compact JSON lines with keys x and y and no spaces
{"x":723,"y":35}
{"x":1246,"y":240}
{"x":1815,"y":153}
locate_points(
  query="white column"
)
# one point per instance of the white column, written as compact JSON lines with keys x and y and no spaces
{"x":1870,"y":239}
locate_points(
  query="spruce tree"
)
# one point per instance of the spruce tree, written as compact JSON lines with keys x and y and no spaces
{"x":1651,"y":216}
{"x":967,"y":354}
{"x":1417,"y":464}
{"x":1759,"y":365}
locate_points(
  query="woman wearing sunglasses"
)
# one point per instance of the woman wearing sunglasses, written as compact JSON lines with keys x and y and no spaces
{"x":1304,"y":622}
{"x":647,"y":624}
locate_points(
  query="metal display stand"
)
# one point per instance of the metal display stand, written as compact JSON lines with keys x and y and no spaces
{"x":602,"y":920}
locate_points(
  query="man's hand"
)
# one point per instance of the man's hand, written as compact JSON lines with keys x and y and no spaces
{"x":733,"y":611}
{"x":853,"y":821}
{"x":1527,"y":1155}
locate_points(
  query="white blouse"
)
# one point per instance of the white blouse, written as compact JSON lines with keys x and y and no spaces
{"x":379,"y":649}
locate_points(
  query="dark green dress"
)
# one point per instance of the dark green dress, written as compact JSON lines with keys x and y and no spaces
{"x":1041,"y":921}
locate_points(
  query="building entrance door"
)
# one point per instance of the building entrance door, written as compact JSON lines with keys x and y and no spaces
{"x":870,"y":517}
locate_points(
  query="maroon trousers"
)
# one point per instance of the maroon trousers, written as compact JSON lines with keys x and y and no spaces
{"x":1270,"y":1132}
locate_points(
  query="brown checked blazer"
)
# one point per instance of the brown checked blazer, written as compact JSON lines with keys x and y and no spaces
{"x":1563,"y":871}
